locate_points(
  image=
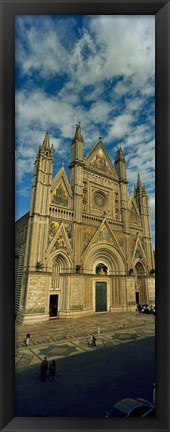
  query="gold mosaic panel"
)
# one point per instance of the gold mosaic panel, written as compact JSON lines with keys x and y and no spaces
{"x":100,"y":163}
{"x":60,"y":195}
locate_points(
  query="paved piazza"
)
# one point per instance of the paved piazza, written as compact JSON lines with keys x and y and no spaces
{"x":62,"y":338}
{"x":88,"y":380}
{"x":56,"y":350}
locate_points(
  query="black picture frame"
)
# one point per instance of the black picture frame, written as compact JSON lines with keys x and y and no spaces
{"x":9,"y":9}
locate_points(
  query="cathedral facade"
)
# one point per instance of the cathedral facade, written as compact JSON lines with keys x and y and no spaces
{"x":85,"y":247}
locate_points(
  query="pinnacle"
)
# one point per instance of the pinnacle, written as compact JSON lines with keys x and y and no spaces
{"x":139,"y":183}
{"x":46,"y":142}
{"x":78,"y":134}
{"x":119,"y":155}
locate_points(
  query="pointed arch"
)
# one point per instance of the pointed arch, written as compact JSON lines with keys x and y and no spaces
{"x":141,"y":281}
{"x":62,"y":257}
{"x":60,"y":266}
{"x":139,"y":267}
{"x":108,"y":255}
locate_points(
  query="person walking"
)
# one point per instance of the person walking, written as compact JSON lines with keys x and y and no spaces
{"x":52,"y":370}
{"x":27,"y":341}
{"x":93,"y":341}
{"x":43,"y":367}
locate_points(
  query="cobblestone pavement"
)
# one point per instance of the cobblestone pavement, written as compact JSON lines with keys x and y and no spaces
{"x":59,"y":339}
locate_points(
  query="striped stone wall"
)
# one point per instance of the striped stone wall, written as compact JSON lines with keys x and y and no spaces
{"x":20,"y":245}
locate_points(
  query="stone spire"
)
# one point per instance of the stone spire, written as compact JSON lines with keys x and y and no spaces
{"x":45,"y":147}
{"x":119,"y":155}
{"x":120,"y":164}
{"x":77,"y":145}
{"x":140,"y":188}
{"x":46,"y":142}
{"x":139,"y":183}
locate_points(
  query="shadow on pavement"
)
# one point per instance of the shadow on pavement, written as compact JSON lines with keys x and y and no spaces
{"x":87,"y":385}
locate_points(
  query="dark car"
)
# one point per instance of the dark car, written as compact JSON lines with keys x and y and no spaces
{"x":132,"y":408}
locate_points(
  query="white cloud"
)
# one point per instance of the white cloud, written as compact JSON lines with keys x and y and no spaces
{"x":120,"y":126}
{"x":42,"y":50}
{"x":108,"y":46}
{"x":152,"y":207}
{"x":128,"y":44}
{"x":38,"y":108}
{"x":134,"y":105}
{"x":99,"y":111}
{"x":101,"y":73}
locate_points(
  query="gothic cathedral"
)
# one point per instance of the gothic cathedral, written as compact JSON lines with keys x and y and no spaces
{"x":85,"y":247}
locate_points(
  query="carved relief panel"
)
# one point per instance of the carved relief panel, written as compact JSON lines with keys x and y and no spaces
{"x":101,"y":195}
{"x":117,"y":214}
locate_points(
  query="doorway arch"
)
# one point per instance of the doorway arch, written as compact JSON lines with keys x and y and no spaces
{"x":107,"y":255}
{"x":59,"y":265}
{"x":141,"y":282}
{"x":110,"y":280}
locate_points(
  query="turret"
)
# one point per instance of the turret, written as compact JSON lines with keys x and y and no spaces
{"x":39,"y":209}
{"x":139,"y":183}
{"x":42,"y":177}
{"x":76,"y":170}
{"x":141,"y":198}
{"x":142,"y":201}
{"x":139,"y":194}
{"x":120,"y":164}
{"x":76,"y":182}
{"x":77,"y":145}
{"x":37,"y":235}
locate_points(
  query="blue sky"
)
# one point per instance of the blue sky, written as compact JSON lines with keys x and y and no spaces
{"x":99,"y":70}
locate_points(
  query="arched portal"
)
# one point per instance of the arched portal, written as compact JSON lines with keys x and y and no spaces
{"x":106,"y":266}
{"x":60,"y":265}
{"x":106,"y":255}
{"x":101,"y":288}
{"x":141,"y":294}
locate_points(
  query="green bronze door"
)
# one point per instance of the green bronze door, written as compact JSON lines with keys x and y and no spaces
{"x":101,"y":296}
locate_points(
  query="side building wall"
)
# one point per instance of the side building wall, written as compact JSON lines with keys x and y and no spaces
{"x":20,"y":246}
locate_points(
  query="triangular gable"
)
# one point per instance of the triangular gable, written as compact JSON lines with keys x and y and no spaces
{"x":104,"y":234}
{"x":134,"y":215}
{"x":88,"y":233}
{"x":139,"y":251}
{"x":99,"y":160}
{"x":60,"y":241}
{"x":61,"y":189}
